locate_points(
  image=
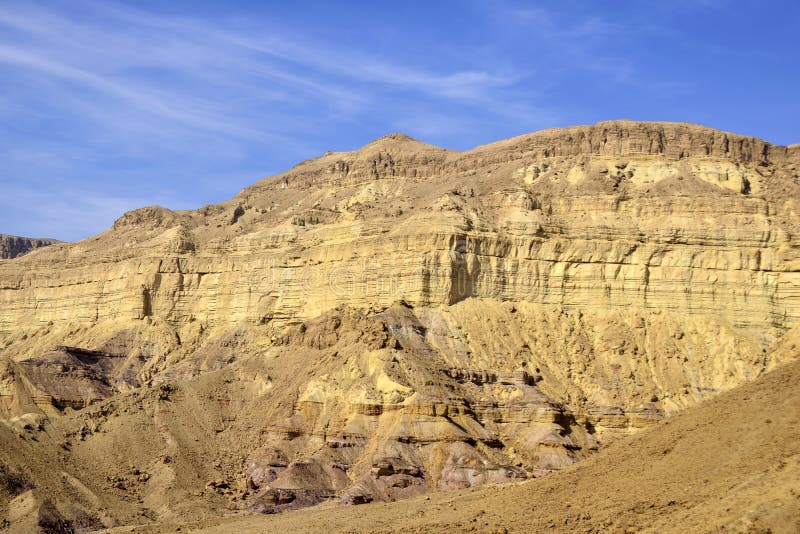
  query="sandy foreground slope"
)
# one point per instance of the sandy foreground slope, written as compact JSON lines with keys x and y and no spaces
{"x":731,"y":463}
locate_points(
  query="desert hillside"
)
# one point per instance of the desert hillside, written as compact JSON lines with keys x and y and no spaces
{"x":395,"y":321}
{"x":729,"y":464}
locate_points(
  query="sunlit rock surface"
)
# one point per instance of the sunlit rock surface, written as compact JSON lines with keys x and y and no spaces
{"x":400,"y":319}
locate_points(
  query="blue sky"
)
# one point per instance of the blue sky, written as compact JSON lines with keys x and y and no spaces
{"x":109,"y":106}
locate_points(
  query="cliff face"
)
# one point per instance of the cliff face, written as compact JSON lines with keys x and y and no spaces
{"x":402,"y":318}
{"x":616,"y":215}
{"x":13,"y":246}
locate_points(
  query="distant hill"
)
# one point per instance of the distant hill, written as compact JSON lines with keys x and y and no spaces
{"x":12,"y":246}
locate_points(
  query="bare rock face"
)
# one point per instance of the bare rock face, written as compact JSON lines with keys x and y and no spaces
{"x":378,"y":324}
{"x":76,"y":377}
{"x":13,"y":246}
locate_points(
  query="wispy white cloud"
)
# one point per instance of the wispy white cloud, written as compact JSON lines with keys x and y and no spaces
{"x":102,"y":87}
{"x":175,"y":69}
{"x":348,"y":64}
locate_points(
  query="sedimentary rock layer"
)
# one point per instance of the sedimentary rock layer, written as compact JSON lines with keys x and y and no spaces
{"x":618,"y":215}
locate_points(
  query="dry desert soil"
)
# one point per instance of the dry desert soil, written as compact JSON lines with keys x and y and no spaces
{"x":731,"y":464}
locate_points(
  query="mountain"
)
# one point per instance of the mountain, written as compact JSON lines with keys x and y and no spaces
{"x":400,"y":319}
{"x":13,"y":246}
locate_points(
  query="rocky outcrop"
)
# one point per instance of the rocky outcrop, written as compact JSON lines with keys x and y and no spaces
{"x":376,"y":324}
{"x":13,"y":246}
{"x":76,"y":377}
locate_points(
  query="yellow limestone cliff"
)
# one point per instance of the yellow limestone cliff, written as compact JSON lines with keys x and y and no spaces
{"x":402,"y":318}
